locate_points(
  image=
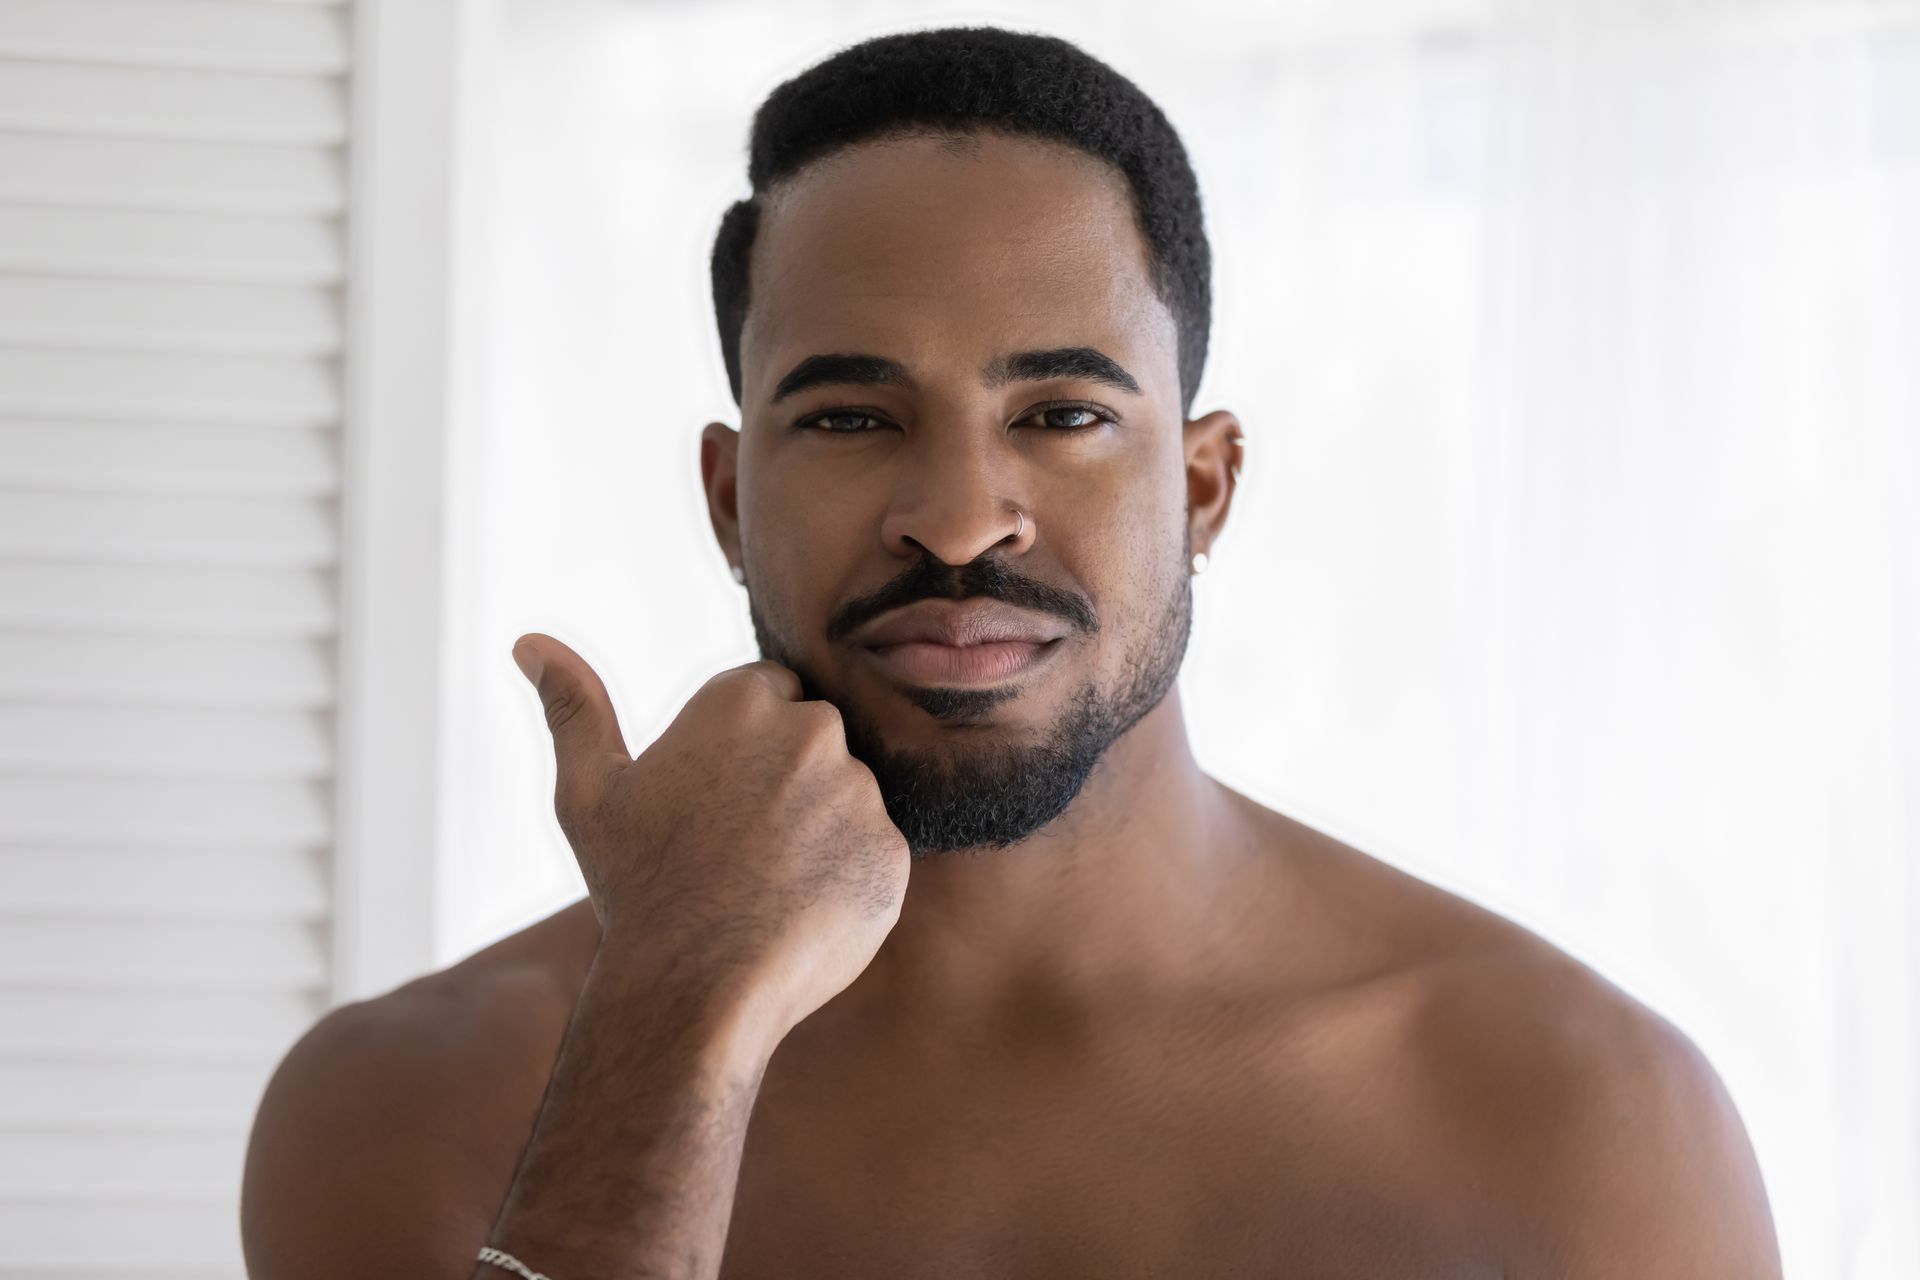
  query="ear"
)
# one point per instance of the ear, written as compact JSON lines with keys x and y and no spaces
{"x":719,"y":473}
{"x":1213,"y":455}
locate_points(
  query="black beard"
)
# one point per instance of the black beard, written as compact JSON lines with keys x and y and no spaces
{"x":980,"y":795}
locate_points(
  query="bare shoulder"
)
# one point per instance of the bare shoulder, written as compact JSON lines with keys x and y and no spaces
{"x":1602,"y":1141}
{"x":1609,"y":1143}
{"x":391,"y":1128}
{"x":1584,"y":1133}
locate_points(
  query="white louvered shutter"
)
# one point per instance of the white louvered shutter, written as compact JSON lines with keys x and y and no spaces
{"x":172,"y":188}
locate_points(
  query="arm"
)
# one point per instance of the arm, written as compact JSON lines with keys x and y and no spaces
{"x":632,"y":1166}
{"x":390,"y":1133}
{"x":743,"y":871}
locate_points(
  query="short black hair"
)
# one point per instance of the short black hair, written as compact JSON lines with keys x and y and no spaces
{"x":980,"y":79}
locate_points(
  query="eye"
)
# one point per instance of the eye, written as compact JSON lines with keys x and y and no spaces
{"x":1090,"y":416}
{"x":1057,"y":418}
{"x":820,"y":421}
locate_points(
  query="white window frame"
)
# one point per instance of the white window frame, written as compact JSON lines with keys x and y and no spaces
{"x":418,"y":66}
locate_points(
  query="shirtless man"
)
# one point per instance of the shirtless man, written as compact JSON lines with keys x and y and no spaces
{"x":922,"y":947}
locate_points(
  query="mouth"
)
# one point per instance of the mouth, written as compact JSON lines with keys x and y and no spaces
{"x":994,"y":662}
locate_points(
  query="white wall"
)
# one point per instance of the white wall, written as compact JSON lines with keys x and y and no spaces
{"x":1574,"y":566}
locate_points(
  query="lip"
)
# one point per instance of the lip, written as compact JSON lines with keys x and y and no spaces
{"x":972,"y":665}
{"x":959,"y":623}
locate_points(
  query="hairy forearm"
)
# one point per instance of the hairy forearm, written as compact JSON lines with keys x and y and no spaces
{"x":631,"y":1169}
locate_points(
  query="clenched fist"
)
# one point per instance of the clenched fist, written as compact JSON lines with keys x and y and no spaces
{"x":745,"y":843}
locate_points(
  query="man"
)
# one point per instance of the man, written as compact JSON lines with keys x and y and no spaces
{"x":922,"y":947}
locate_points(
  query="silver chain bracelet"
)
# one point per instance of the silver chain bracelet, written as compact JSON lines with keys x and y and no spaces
{"x":501,"y":1258}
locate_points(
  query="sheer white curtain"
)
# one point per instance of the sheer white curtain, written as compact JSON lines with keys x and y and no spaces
{"x":1580,"y":342}
{"x":1575,"y":565}
{"x":1701,"y":431}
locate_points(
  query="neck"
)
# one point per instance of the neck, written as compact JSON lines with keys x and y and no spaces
{"x":1130,"y":886}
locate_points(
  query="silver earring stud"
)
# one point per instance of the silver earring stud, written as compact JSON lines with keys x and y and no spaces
{"x":1199,"y":562}
{"x":739,"y":574}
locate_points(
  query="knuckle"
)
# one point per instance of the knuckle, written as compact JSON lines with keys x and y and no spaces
{"x":573,"y":822}
{"x":580,"y":796}
{"x":572,"y":806}
{"x":563,"y":706}
{"x":823,"y":737}
{"x":822,"y":717}
{"x":734,"y":685}
{"x":772,"y":676}
{"x":751,"y":689}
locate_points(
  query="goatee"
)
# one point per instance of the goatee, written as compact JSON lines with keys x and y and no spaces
{"x":980,"y":792}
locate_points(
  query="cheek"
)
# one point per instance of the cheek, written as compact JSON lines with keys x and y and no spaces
{"x":1123,"y":555}
{"x":1136,"y":513}
{"x":795,"y":517}
{"x":797,"y":540}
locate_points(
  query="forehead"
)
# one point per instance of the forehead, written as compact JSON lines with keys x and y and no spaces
{"x":944,"y":255}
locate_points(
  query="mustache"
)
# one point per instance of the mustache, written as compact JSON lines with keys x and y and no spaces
{"x":932,"y":579}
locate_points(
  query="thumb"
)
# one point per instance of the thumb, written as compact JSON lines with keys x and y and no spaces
{"x":579,"y":714}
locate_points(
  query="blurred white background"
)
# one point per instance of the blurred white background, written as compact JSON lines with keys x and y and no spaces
{"x":1576,"y":565}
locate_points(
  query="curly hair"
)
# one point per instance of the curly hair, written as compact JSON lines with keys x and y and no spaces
{"x":980,"y":79}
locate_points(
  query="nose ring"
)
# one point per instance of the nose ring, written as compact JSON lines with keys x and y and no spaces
{"x":1023,"y":523}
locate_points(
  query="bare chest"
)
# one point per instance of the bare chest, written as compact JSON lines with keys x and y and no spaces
{"x":1185,"y":1166}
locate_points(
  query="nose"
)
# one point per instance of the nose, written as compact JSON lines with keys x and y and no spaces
{"x":954,"y":508}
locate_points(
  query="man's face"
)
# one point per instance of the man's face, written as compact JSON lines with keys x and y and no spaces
{"x":864,"y":487}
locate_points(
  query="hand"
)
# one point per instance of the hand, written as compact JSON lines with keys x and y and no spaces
{"x":746,"y":840}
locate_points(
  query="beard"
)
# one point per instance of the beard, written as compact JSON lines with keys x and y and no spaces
{"x":979,"y":792}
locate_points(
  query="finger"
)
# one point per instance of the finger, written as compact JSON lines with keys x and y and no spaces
{"x":579,"y":713}
{"x":784,"y":680}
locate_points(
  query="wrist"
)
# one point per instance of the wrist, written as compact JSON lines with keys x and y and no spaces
{"x":725,"y":1011}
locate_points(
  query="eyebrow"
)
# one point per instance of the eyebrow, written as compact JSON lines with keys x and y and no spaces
{"x":1019,"y":366}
